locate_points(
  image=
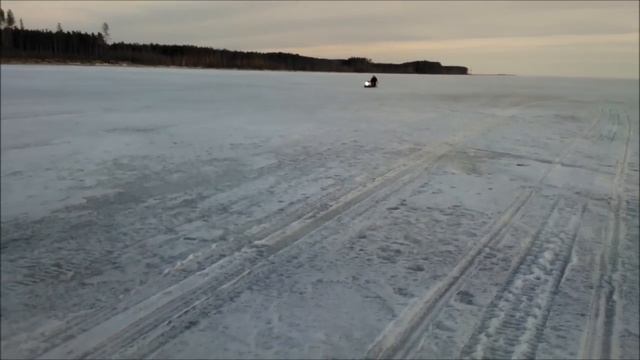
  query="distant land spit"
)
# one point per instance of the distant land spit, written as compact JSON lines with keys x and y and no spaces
{"x":45,"y":46}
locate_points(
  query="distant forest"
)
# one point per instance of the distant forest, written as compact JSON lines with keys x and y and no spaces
{"x":23,"y":45}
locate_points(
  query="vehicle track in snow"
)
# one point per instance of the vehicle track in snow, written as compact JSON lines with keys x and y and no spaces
{"x":139,"y":321}
{"x":402,"y":337}
{"x":513,"y":323}
{"x":303,"y":228}
{"x":599,"y":340}
{"x":41,"y":272}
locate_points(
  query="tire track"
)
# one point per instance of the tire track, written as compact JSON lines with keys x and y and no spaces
{"x":85,"y":321}
{"x":48,"y":337}
{"x":402,"y":335}
{"x":514,"y":321}
{"x":599,"y":340}
{"x":149,"y":336}
{"x":144,"y":337}
{"x":125,"y":327}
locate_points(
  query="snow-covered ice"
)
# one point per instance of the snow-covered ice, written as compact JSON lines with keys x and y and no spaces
{"x":182,"y":213}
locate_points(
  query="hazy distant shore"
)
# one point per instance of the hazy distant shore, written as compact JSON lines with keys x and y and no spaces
{"x":27,"y":46}
{"x":13,"y":61}
{"x":32,"y":61}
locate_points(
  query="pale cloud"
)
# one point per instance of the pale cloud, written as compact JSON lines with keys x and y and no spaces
{"x":73,"y":14}
{"x":536,"y":34}
{"x":474,"y":44}
{"x":610,"y":55}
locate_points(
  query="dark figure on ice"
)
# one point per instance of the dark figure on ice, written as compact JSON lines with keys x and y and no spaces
{"x":374,"y":81}
{"x":371,"y":83}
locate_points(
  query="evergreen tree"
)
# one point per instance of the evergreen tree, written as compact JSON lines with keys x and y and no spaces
{"x":105,"y":32}
{"x":2,"y":20}
{"x":11,"y":21}
{"x":79,"y":46}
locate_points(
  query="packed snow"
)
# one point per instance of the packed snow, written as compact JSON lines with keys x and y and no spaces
{"x":191,"y":213}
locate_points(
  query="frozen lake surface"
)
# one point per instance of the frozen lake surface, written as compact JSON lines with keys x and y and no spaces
{"x":175,"y":213}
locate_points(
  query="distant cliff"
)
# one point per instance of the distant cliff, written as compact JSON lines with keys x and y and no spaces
{"x":20,"y":45}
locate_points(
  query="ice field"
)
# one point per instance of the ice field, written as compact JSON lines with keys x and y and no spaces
{"x":184,"y":213}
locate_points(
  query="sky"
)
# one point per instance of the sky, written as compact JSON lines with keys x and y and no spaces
{"x":538,"y":38}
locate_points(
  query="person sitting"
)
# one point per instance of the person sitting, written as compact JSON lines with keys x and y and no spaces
{"x":373,"y":81}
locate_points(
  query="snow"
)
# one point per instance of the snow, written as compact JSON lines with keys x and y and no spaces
{"x":183,"y":213}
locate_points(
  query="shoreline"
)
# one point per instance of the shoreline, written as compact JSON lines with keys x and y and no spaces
{"x":132,"y":65}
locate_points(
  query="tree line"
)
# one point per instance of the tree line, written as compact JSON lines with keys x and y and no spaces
{"x":20,"y":44}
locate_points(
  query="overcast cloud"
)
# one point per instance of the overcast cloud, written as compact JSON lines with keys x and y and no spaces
{"x":572,"y":38}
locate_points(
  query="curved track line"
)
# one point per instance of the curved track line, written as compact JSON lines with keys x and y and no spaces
{"x":399,"y":336}
{"x":138,"y":319}
{"x":599,"y":340}
{"x":151,"y":330}
{"x":514,"y":321}
{"x":398,"y":333}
